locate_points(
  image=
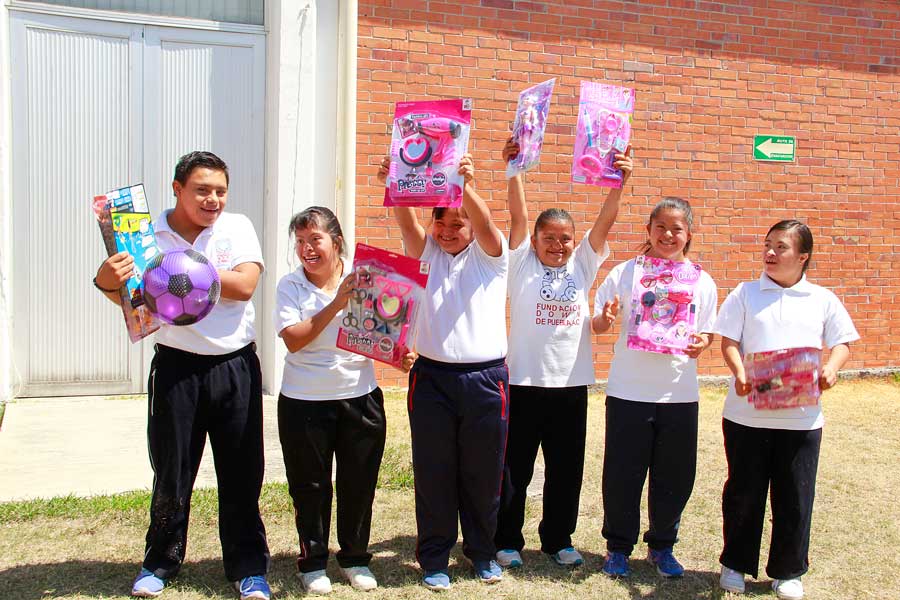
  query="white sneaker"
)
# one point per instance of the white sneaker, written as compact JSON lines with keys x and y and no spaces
{"x":509,"y":559}
{"x":731,"y":580}
{"x":568,"y":557}
{"x":315,"y":582}
{"x":788,"y":589}
{"x":360,"y":578}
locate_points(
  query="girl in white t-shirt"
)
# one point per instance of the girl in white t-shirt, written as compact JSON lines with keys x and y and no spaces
{"x":651,"y":405}
{"x":778,"y":448}
{"x":550,"y":365}
{"x":329,"y":407}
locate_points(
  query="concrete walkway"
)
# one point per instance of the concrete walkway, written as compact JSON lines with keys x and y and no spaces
{"x":86,"y":446}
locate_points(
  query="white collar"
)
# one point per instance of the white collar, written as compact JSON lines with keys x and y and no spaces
{"x":162,"y":224}
{"x":801,"y":287}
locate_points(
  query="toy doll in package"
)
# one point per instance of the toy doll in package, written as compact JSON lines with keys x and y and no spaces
{"x":604,"y":128}
{"x":663,"y":312}
{"x":380,"y":318}
{"x":528,"y":128}
{"x":124,"y":219}
{"x":783,"y":378}
{"x":428,"y":141}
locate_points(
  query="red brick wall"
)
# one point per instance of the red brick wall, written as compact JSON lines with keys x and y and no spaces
{"x":709,"y":75}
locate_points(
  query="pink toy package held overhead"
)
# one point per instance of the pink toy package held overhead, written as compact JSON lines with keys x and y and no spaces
{"x":429,"y":139}
{"x":529,"y":126}
{"x":604,"y":129}
{"x":663,"y":312}
{"x":379,"y":321}
{"x":783,"y":378}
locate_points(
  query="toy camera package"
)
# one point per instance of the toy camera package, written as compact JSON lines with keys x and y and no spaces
{"x":125,"y":223}
{"x":783,"y":378}
{"x":379,"y":321}
{"x":529,"y":126}
{"x":428,"y":141}
{"x":604,"y":128}
{"x":663,"y":312}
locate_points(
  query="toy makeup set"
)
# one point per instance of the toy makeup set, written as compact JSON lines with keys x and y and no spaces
{"x":784,"y":378}
{"x":663,"y":312}
{"x":603,"y":129}
{"x":429,"y":139}
{"x":380,"y":318}
{"x":124,"y":219}
{"x":528,"y":128}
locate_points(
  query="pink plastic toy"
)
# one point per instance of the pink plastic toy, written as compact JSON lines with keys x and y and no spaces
{"x":663,"y":313}
{"x":604,"y":128}
{"x":428,"y":141}
{"x":379,"y":320}
{"x":784,"y":378}
{"x":529,"y":126}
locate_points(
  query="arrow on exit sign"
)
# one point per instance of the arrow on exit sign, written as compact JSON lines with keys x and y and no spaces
{"x":776,"y":148}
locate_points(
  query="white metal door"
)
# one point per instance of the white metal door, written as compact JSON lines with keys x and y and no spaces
{"x":77,"y":88}
{"x":99,"y":105}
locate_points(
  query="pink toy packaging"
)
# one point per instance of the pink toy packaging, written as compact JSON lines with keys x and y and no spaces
{"x":379,"y":321}
{"x":604,"y":128}
{"x":529,"y":126}
{"x":124,"y":219}
{"x":429,"y":139}
{"x":783,"y":378}
{"x":663,"y":312}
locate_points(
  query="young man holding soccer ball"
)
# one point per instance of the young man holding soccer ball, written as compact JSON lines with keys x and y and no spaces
{"x":205,"y":378}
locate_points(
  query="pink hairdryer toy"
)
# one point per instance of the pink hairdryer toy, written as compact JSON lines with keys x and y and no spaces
{"x":429,"y":138}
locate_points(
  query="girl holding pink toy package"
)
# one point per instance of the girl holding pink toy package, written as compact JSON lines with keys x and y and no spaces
{"x":550,"y":365}
{"x":330,"y":407}
{"x":652,"y":391}
{"x":457,"y":399}
{"x":772,"y":441}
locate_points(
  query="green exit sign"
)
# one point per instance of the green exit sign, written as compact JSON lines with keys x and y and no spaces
{"x":774,"y":147}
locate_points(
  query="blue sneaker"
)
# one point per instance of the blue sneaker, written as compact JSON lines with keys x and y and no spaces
{"x":568,"y":557}
{"x":254,"y":587}
{"x":147,"y":585}
{"x":438,"y":581}
{"x":665,"y":562}
{"x":509,"y":559}
{"x":487,"y":571}
{"x":616,"y":565}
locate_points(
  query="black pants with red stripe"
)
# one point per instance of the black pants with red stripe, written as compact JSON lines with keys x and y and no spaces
{"x":458,"y":417}
{"x":192,"y":395}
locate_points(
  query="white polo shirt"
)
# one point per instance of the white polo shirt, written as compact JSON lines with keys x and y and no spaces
{"x":550,"y":322}
{"x":648,"y":376}
{"x":463,"y":319}
{"x":762,"y":316}
{"x":229,"y":242}
{"x":320,"y":370}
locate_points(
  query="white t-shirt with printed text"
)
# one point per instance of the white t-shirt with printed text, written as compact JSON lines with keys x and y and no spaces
{"x":227,"y":243}
{"x":763,"y":316}
{"x":647,"y":376}
{"x":463,"y":319}
{"x":550,"y":323}
{"x":320,"y":370}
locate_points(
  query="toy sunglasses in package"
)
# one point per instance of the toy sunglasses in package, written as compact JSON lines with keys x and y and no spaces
{"x":663,"y":312}
{"x":604,"y":128}
{"x":528,"y":128}
{"x":428,"y":141}
{"x":124,"y":219}
{"x":783,"y":378}
{"x":380,"y":318}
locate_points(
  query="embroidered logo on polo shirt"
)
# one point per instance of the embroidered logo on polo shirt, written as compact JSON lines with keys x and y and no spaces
{"x":224,"y":255}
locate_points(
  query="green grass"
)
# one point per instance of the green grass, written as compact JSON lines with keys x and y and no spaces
{"x":90,"y":549}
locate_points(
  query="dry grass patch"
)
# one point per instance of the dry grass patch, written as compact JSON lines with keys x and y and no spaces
{"x":90,"y":549}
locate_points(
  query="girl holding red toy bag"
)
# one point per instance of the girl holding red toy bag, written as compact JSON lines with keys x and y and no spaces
{"x":550,"y":365}
{"x":771,"y":446}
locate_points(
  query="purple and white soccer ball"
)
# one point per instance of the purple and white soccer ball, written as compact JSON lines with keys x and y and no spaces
{"x":181,"y":286}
